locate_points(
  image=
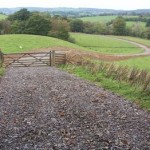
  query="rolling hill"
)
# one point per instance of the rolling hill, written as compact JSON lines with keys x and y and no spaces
{"x":77,"y":11}
{"x":22,"y":43}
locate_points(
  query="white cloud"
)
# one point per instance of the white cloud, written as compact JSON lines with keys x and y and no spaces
{"x":110,"y":4}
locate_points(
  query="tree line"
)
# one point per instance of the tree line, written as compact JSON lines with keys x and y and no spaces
{"x":37,"y":23}
{"x":115,"y":27}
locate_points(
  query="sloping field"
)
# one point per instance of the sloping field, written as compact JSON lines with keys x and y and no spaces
{"x":86,"y":43}
{"x":21,"y":43}
{"x":135,"y":39}
{"x":104,"y":44}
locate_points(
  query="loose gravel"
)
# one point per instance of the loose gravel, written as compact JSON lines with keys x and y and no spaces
{"x":48,"y":109}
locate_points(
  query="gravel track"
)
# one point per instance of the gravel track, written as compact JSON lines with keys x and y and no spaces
{"x":48,"y":109}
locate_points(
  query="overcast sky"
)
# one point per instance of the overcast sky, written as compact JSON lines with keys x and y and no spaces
{"x":110,"y":4}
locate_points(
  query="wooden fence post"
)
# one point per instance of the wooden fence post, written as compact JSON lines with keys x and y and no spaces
{"x":1,"y":58}
{"x":65,"y":57}
{"x":52,"y":58}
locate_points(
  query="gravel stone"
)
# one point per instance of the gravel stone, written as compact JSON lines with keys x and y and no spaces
{"x":46,"y":108}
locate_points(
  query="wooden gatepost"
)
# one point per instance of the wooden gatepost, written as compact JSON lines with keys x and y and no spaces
{"x":1,"y":58}
{"x":52,"y":58}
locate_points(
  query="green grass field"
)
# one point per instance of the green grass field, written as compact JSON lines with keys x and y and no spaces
{"x":104,"y":44}
{"x":2,"y":17}
{"x":96,"y":43}
{"x":140,"y":63}
{"x":135,"y":39}
{"x":12,"y":43}
{"x":102,"y":18}
{"x":131,"y":23}
{"x":98,"y":18}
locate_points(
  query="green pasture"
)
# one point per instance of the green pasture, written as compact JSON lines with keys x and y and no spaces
{"x":96,"y":43}
{"x":103,"y":18}
{"x":99,"y":18}
{"x":135,"y":39}
{"x":2,"y":16}
{"x":20,"y":43}
{"x":104,"y":44}
{"x":131,"y":23}
{"x":140,"y":63}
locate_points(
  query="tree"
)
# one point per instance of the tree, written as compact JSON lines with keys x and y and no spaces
{"x":119,"y":26}
{"x":5,"y":27}
{"x":60,"y":29}
{"x":88,"y":27}
{"x":37,"y":25}
{"x":21,"y":15}
{"x":137,"y":30}
{"x":109,"y":29}
{"x":99,"y":28}
{"x":76,"y":25}
{"x":148,"y":23}
{"x":18,"y":27}
{"x":148,"y":33}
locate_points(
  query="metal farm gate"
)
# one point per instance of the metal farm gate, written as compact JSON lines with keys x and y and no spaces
{"x":50,"y":58}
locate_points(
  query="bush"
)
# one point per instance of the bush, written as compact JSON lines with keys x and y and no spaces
{"x":60,"y":29}
{"x":72,"y":40}
{"x":148,"y":33}
{"x":76,"y":25}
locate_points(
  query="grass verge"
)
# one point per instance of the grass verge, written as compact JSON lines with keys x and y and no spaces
{"x":2,"y":71}
{"x":122,"y":88}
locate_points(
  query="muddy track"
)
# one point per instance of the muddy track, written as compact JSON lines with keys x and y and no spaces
{"x":45,"y":108}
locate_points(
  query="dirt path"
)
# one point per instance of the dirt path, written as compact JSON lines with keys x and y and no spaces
{"x":145,"y":48}
{"x":118,"y":57}
{"x":45,"y":108}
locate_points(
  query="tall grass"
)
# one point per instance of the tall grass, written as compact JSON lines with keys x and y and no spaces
{"x":2,"y":71}
{"x":134,"y":76}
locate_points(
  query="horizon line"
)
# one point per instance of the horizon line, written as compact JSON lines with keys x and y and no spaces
{"x":75,"y":8}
